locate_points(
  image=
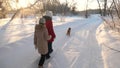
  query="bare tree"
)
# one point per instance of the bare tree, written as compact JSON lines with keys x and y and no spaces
{"x":51,"y":5}
{"x":18,"y":11}
{"x":116,"y":8}
{"x":56,"y":7}
{"x":100,"y":9}
{"x":86,"y":11}
{"x":4,"y":8}
{"x":105,"y":7}
{"x":73,"y":6}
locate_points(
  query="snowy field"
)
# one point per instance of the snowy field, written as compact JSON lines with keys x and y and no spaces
{"x":91,"y":44}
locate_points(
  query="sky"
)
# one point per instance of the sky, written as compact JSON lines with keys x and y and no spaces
{"x":92,"y":4}
{"x":80,"y":4}
{"x":25,"y":2}
{"x":21,"y":3}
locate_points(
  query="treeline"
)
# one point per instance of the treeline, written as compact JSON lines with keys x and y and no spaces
{"x":39,"y":7}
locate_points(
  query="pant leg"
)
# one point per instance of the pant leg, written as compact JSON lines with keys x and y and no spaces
{"x":50,"y":47}
{"x":49,"y":50}
{"x":47,"y":56}
{"x":42,"y":60}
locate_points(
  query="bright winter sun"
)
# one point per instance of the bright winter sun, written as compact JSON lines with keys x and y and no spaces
{"x":25,"y":3}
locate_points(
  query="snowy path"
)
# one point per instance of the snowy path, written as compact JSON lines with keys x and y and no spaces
{"x":81,"y":50}
{"x":78,"y":51}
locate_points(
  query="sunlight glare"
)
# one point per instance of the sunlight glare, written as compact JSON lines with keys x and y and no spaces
{"x":23,"y":3}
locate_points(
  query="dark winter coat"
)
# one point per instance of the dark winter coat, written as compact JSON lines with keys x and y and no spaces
{"x":49,"y":25}
{"x":40,"y":39}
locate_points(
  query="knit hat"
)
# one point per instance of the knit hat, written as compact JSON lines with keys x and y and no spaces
{"x":49,"y":13}
{"x":41,"y":21}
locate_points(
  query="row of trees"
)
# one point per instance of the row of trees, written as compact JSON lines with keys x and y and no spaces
{"x":114,"y":13}
{"x":113,"y":20}
{"x":39,"y":6}
{"x":111,"y":9}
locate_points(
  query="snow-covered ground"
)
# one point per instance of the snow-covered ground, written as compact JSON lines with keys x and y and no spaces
{"x":87,"y":47}
{"x":109,"y":40}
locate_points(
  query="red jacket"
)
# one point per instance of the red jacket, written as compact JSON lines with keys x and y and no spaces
{"x":50,"y":29}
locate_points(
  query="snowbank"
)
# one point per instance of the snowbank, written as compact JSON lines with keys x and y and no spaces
{"x":109,"y":40}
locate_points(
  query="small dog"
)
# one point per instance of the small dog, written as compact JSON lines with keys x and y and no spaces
{"x":68,"y":31}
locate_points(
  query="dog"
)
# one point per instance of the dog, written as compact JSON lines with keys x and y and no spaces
{"x":68,"y":31}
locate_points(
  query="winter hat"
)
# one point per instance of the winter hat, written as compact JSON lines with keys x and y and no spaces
{"x":49,"y":13}
{"x":41,"y":21}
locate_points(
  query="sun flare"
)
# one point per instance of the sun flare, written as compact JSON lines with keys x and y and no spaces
{"x":21,"y":3}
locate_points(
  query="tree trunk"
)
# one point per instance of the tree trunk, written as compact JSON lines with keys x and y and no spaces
{"x":99,"y":8}
{"x":105,"y":8}
{"x":86,"y":12}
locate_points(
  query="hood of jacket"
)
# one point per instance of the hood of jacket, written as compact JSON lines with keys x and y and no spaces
{"x":39,"y":27}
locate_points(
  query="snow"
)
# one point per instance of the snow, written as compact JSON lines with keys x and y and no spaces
{"x":87,"y":47}
{"x":109,"y":41}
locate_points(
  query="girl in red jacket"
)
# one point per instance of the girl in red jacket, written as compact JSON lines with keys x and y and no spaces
{"x":49,"y":25}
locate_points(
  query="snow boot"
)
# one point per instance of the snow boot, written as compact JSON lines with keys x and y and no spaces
{"x":40,"y":66}
{"x":47,"y":56}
